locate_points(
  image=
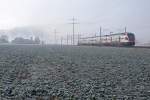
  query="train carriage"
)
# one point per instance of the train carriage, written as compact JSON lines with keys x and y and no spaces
{"x":119,"y":39}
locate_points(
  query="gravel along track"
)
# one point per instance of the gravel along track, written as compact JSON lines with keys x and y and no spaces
{"x":33,"y":72}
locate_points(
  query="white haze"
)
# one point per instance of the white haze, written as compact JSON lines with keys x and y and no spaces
{"x":47,"y":15}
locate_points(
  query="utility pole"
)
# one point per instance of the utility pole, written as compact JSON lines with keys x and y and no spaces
{"x":111,"y":36}
{"x":67,"y":39}
{"x":61,"y":41}
{"x":73,"y":29}
{"x":100,"y":33}
{"x":55,"y":36}
{"x":71,"y":39}
{"x":125,"y":29}
{"x":79,"y":38}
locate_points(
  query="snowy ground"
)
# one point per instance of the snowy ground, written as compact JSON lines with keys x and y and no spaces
{"x":74,"y":73}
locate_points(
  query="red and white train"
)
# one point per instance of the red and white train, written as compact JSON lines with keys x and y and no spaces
{"x":119,"y":39}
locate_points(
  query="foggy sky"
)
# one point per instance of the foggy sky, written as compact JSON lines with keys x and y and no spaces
{"x":112,"y":15}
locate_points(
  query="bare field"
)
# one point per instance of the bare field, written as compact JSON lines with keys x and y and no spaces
{"x":32,"y":72}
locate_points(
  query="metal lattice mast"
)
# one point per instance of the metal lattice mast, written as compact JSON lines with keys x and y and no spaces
{"x":73,"y":29}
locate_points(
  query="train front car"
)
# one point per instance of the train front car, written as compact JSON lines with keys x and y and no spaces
{"x":126,"y":39}
{"x":131,"y":39}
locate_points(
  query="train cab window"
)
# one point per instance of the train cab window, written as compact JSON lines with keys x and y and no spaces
{"x":131,"y":37}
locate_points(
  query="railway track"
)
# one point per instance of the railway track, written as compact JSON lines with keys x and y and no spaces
{"x":148,"y":47}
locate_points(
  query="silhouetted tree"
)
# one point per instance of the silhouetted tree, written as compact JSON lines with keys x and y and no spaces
{"x":20,"y":40}
{"x":4,"y":39}
{"x":37,"y":40}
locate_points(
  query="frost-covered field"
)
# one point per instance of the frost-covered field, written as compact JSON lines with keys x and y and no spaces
{"x":74,"y":73}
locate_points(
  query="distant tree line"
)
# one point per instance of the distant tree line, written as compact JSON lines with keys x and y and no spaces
{"x":4,"y":39}
{"x":20,"y":40}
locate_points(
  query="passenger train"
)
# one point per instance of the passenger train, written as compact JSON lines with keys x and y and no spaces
{"x":119,"y":39}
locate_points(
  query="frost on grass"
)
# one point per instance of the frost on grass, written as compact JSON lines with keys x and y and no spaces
{"x":74,"y":73}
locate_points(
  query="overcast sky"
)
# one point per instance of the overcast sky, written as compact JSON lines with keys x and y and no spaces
{"x":112,"y":15}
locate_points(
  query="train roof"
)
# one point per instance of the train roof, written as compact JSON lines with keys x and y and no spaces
{"x":121,"y":33}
